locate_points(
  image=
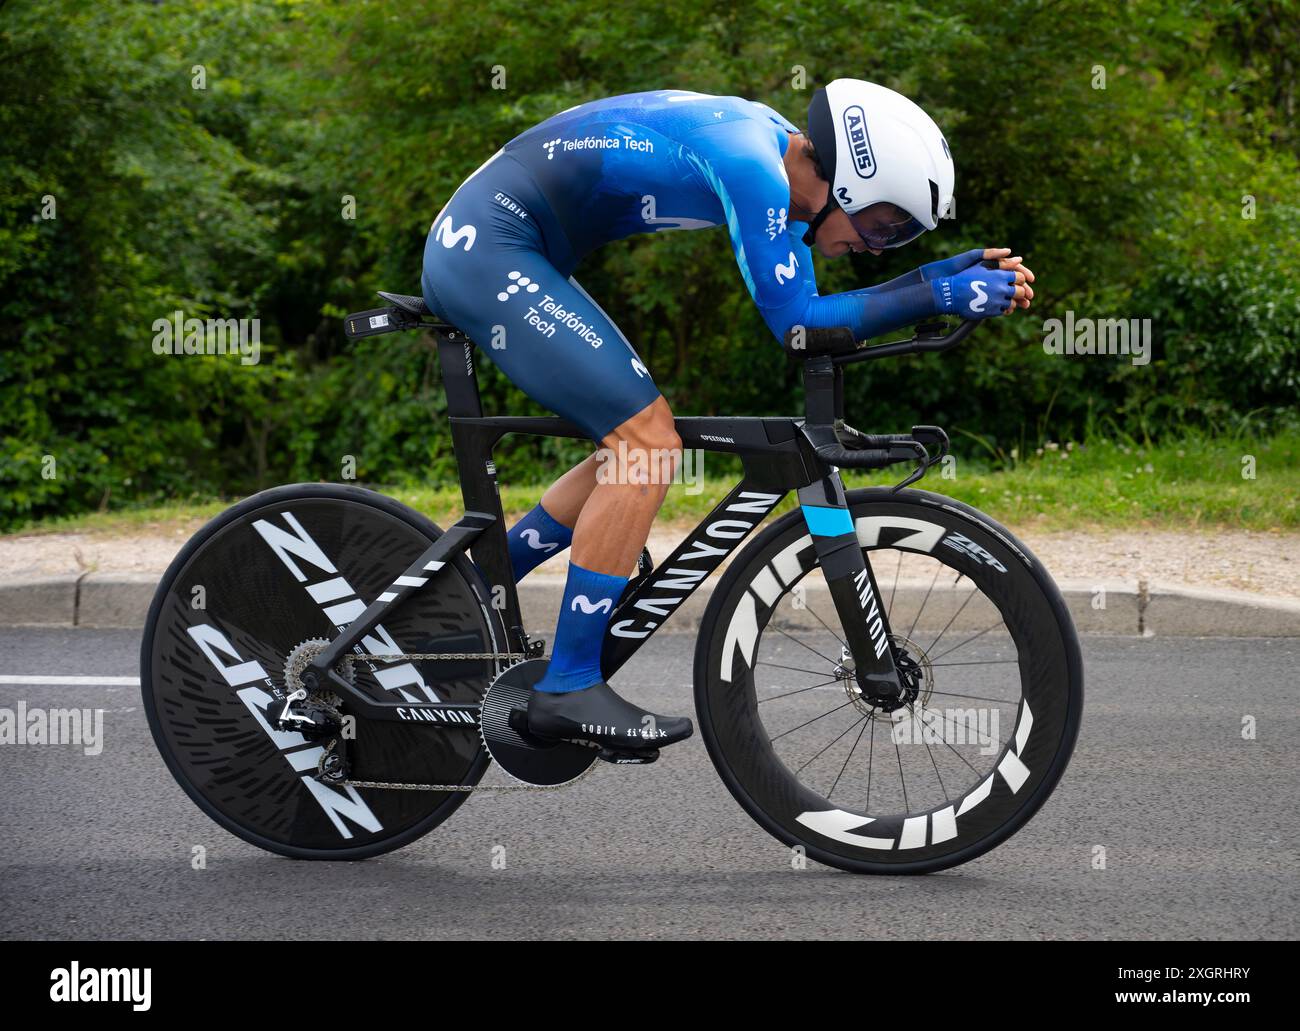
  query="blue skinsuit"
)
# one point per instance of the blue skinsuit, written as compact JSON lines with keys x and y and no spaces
{"x":499,"y":259}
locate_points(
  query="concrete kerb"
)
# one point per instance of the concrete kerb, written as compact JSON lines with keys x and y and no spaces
{"x":103,"y":600}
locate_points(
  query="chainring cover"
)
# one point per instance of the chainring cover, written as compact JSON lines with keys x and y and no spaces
{"x":503,"y":726}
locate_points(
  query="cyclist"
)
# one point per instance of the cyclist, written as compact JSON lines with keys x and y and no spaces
{"x":872,"y":172}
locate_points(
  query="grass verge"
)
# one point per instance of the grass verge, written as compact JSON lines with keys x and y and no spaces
{"x":1193,"y":483}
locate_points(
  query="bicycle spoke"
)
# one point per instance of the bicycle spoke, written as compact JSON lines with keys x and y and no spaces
{"x":901,"y":779}
{"x":950,"y":622}
{"x":848,"y":757}
{"x":924,"y":600}
{"x":959,"y":755}
{"x":893,"y":590}
{"x":798,"y":669}
{"x":801,"y":690}
{"x":809,"y":722}
{"x":965,"y":642}
{"x":930,"y":752}
{"x":826,"y":625}
{"x":833,"y":662}
{"x":871,"y":756}
{"x":975,"y":697}
{"x":831,"y":745}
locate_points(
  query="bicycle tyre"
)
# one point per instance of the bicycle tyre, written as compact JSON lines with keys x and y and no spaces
{"x":923,"y":526}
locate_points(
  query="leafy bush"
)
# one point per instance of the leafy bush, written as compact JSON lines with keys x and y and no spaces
{"x":228,"y":201}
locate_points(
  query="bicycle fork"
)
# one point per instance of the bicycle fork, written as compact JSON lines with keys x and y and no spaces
{"x":864,"y":622}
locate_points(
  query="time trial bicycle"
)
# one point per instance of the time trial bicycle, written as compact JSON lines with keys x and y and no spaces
{"x":884,"y":677}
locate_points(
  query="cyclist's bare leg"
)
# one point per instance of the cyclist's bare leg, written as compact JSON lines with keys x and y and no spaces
{"x":629,"y":480}
{"x":632,"y":474}
{"x":564,"y":498}
{"x":623,"y":508}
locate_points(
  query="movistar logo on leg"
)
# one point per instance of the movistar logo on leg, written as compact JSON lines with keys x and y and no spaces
{"x":534,"y":540}
{"x":447,"y":235}
{"x":589,"y":607}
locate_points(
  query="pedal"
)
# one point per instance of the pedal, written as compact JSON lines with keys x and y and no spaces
{"x":621,"y":758}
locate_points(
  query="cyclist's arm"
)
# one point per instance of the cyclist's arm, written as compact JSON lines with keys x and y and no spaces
{"x":932,"y":270}
{"x":749,"y":180}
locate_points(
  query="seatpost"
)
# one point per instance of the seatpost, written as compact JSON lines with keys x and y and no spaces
{"x":823,"y":384}
{"x":473,"y":444}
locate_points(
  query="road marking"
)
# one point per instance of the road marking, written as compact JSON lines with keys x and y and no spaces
{"x":75,"y":681}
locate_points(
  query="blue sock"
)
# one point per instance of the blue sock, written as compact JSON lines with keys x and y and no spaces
{"x":534,"y":539}
{"x":589,"y":600}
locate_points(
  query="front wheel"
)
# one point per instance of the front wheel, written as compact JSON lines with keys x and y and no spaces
{"x":991,"y":669}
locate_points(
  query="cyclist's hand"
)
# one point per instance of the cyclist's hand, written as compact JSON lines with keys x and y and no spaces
{"x":1024,"y":275}
{"x":977,"y":293}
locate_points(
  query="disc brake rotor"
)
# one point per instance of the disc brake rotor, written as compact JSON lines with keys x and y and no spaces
{"x":915,"y":673}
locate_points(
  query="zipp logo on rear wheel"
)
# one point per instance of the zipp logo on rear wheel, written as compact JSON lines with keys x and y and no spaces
{"x":255,"y":689}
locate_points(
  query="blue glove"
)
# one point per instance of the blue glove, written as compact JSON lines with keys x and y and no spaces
{"x":977,"y":293}
{"x":951,"y":266}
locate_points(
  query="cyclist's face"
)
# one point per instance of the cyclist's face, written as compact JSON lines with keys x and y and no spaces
{"x":885,"y":225}
{"x":837,"y":237}
{"x":873,"y":229}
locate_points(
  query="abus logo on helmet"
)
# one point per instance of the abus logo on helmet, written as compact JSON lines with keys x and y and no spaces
{"x":855,"y":130}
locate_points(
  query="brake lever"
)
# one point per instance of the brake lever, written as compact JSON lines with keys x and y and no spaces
{"x":920,"y":436}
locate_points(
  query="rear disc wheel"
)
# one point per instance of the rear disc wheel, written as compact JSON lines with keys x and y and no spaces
{"x":276,"y":571}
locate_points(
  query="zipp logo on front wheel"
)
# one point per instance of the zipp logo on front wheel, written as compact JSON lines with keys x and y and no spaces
{"x":960,"y":542}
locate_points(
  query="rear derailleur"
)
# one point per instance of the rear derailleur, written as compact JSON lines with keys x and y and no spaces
{"x":313,"y":713}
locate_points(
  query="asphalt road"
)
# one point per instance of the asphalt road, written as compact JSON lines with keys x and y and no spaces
{"x":1199,"y":828}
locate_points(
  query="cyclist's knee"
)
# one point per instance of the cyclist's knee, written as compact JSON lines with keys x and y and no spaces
{"x":652,"y":427}
{"x":650,"y":441}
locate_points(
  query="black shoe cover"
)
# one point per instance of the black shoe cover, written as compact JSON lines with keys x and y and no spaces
{"x":599,"y":716}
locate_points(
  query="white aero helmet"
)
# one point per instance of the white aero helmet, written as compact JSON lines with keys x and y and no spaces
{"x":879,"y":151}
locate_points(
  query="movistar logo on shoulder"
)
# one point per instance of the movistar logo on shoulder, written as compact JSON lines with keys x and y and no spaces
{"x":855,"y":131}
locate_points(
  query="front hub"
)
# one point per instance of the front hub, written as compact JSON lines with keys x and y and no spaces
{"x":915,"y":676}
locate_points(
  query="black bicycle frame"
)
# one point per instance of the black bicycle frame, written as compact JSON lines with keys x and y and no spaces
{"x":777,"y":454}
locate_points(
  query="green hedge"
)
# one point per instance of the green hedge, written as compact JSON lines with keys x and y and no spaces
{"x":227,"y":200}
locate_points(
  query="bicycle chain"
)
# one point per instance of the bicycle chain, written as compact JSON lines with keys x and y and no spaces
{"x":510,"y":659}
